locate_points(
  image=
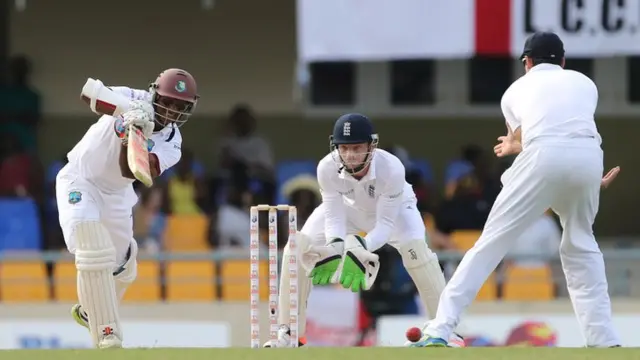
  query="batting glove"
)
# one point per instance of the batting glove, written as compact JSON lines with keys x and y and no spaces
{"x":141,"y":105}
{"x":140,"y":118}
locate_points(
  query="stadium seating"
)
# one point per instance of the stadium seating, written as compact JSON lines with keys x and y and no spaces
{"x":19,"y":225}
{"x":489,"y":290}
{"x":429,"y":222}
{"x":235,"y":280}
{"x":187,"y":233}
{"x":464,"y":239}
{"x":528,"y":284}
{"x":146,"y":287}
{"x":23,"y":281}
{"x":192,"y":281}
{"x":64,"y":282}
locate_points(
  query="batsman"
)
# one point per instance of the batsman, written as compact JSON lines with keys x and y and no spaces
{"x":95,"y":195}
{"x":363,"y":191}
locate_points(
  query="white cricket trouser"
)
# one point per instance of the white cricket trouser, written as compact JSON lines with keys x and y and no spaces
{"x":561,"y":174}
{"x":409,"y":225}
{"x":80,"y":201}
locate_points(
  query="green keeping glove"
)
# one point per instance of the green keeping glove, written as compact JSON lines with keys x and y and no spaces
{"x":330,"y":258}
{"x":357,"y":261}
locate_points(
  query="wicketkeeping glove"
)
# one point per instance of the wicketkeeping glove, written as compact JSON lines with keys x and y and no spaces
{"x":330,"y":257}
{"x":360,"y":267}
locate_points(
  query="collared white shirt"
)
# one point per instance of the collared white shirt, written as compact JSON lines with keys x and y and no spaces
{"x":550,"y":101}
{"x":380,"y":194}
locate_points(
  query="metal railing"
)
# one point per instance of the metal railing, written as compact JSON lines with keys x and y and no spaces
{"x":623,"y":268}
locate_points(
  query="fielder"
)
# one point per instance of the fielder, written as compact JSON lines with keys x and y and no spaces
{"x":95,"y":195}
{"x":363,"y":190}
{"x":550,"y":122}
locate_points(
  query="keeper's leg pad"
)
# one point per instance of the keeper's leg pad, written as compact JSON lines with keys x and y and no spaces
{"x":304,"y":285}
{"x":423,"y":267}
{"x":95,"y":261}
{"x":125,"y":274}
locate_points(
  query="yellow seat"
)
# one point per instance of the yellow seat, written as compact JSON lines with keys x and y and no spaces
{"x":528,"y":284}
{"x":191,"y":281}
{"x":465,"y":239}
{"x":429,"y":222}
{"x":146,"y":287}
{"x":235,"y":280}
{"x":489,"y":290}
{"x":64,"y":282}
{"x":187,"y":233}
{"x":24,"y":281}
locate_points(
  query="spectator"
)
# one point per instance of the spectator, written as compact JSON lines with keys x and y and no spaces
{"x":20,"y":106}
{"x":246,"y":156}
{"x":414,"y":176}
{"x":474,"y":159}
{"x":466,"y":210}
{"x":185,"y":192}
{"x":233,"y":221}
{"x":303,"y":192}
{"x":541,"y":240}
{"x":20,"y":173}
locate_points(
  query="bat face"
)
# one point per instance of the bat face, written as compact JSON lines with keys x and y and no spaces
{"x":138,"y":156}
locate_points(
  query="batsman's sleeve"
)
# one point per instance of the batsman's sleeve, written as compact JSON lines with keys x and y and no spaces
{"x":132,"y":94}
{"x":335,"y":215}
{"x":387,"y":208}
{"x":168,"y":152}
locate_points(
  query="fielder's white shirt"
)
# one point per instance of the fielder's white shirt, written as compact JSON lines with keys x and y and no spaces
{"x":379,"y":194}
{"x":95,"y":157}
{"x":549,"y":101}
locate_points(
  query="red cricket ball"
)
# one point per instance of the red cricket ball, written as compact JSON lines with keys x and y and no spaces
{"x":414,"y":334}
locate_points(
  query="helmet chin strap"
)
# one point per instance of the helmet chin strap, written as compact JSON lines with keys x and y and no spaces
{"x":358,"y":168}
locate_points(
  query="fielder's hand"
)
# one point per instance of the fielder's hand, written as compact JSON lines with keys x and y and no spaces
{"x":611,"y":175}
{"x":330,"y":257}
{"x":508,"y":146}
{"x":358,"y":262}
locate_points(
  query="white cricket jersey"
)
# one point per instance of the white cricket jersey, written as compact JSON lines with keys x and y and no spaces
{"x":379,"y":194}
{"x":95,"y":157}
{"x":549,"y":101}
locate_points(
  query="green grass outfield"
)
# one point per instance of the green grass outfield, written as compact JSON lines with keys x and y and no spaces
{"x":325,"y":354}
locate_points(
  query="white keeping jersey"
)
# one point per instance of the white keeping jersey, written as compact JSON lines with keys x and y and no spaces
{"x":380,"y":194}
{"x":96,"y":156}
{"x":549,"y":101}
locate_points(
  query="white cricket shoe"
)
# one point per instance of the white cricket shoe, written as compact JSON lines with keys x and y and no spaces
{"x":110,"y":342}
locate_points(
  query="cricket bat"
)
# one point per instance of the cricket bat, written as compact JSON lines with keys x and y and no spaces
{"x":138,"y":156}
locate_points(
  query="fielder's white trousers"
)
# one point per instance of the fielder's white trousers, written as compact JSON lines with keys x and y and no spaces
{"x":561,"y":174}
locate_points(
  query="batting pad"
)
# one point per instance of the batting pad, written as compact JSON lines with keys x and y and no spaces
{"x":127,"y":273}
{"x":95,"y":261}
{"x":423,"y":267}
{"x":304,"y":286}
